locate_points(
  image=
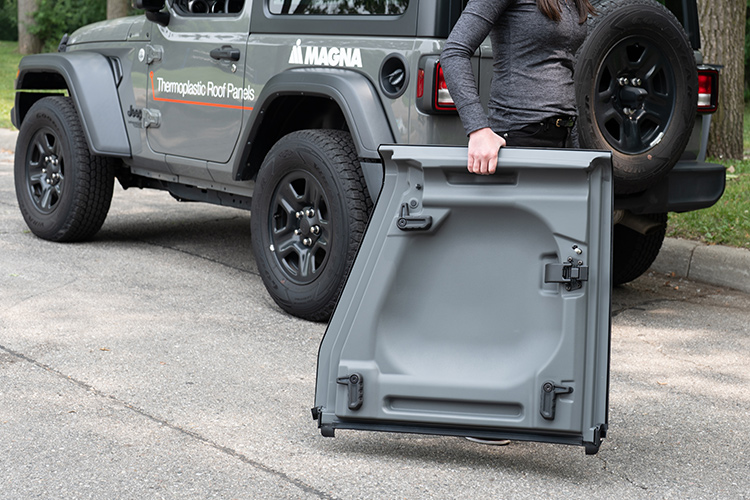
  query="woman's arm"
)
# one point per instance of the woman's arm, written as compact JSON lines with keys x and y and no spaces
{"x":472,"y":28}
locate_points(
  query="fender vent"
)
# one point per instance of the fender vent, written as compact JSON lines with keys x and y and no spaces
{"x":394,"y":76}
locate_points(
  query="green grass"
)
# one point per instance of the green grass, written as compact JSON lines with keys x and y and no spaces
{"x":728,"y":221}
{"x":9,"y":58}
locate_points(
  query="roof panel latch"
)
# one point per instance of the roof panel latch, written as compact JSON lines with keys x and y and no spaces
{"x":356,"y":390}
{"x":572,"y":273}
{"x":408,"y":222}
{"x":550,"y":391}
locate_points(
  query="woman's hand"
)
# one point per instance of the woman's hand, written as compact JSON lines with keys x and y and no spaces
{"x":484,"y":145}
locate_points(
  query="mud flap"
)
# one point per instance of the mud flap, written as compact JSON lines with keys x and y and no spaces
{"x":477,"y":305}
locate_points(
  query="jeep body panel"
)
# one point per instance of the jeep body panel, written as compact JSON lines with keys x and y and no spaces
{"x":189,"y":88}
{"x":353,"y":93}
{"x":91,"y":82}
{"x":113,"y":30}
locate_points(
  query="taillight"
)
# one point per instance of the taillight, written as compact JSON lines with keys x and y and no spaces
{"x":420,"y":83}
{"x":443,"y":100}
{"x":708,"y":90}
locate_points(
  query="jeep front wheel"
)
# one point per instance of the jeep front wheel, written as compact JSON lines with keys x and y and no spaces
{"x":309,"y":213}
{"x":64,"y":192}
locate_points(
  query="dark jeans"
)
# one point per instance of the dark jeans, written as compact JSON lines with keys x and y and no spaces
{"x":538,"y":135}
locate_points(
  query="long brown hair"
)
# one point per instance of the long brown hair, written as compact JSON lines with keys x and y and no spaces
{"x":551,"y":9}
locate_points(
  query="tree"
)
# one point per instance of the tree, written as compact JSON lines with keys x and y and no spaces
{"x":28,"y":43}
{"x":117,"y":8}
{"x":723,"y":39}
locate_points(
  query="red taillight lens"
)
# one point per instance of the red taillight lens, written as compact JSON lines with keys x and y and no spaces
{"x":443,"y":99}
{"x":708,"y":90}
{"x":420,"y":83}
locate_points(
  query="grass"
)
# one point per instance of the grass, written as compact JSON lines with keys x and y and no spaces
{"x":728,"y":221}
{"x":9,"y":58}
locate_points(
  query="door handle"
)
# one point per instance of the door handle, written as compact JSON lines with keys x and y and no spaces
{"x":226,"y":52}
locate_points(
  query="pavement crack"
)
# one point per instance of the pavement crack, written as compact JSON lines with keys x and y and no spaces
{"x":191,"y":434}
{"x":640,"y":306}
{"x":46,"y":291}
{"x":624,"y":477}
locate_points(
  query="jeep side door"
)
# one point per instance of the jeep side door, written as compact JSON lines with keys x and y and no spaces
{"x":477,"y":305}
{"x":196,"y":83}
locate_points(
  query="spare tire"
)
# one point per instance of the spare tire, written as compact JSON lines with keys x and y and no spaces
{"x":636,"y":89}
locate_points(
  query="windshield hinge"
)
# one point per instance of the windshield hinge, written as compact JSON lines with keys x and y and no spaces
{"x":154,"y":53}
{"x":150,"y":118}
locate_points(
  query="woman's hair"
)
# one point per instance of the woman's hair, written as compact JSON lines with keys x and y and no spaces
{"x":551,"y":9}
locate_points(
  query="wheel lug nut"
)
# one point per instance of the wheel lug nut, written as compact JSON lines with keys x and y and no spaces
{"x":315,"y":230}
{"x":310,"y":212}
{"x":636,"y":82}
{"x":623,"y":81}
{"x":298,"y":215}
{"x":297,"y":232}
{"x":307,"y":242}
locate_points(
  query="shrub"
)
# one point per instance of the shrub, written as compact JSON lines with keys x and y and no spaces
{"x":57,"y":17}
{"x":9,"y":20}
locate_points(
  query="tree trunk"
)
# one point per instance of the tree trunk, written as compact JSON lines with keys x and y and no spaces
{"x":27,"y":42}
{"x":117,"y":8}
{"x":723,"y":40}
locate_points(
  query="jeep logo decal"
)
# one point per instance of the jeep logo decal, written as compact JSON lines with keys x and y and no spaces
{"x":326,"y":56}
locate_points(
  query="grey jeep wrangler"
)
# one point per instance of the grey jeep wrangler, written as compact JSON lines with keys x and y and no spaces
{"x":280,"y":106}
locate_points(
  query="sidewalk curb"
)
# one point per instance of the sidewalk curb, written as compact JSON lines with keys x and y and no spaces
{"x":712,"y":264}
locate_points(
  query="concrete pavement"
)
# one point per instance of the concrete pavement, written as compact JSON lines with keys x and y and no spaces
{"x":8,"y":139}
{"x":151,"y":363}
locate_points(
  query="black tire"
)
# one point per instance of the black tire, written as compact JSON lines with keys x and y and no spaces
{"x":636,"y":90}
{"x":309,"y":214}
{"x":633,"y":252}
{"x":63,"y":191}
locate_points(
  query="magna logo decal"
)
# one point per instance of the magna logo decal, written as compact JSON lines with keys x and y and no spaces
{"x":326,"y":56}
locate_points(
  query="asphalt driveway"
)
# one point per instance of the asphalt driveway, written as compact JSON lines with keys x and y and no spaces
{"x":151,"y":363}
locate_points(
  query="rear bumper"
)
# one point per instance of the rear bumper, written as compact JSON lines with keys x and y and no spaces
{"x":690,"y":185}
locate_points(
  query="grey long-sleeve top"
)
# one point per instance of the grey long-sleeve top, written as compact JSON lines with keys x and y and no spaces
{"x":533,"y":63}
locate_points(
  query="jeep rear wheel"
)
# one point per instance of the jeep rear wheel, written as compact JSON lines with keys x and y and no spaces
{"x":633,"y":252}
{"x":308,"y":216}
{"x":636,"y":88}
{"x":63,"y":191}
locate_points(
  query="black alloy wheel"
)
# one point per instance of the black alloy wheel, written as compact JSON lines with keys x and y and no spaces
{"x":64,"y":192}
{"x":635,"y":95}
{"x":636,"y":90}
{"x":300,"y":230}
{"x":309,"y":213}
{"x":45,"y":171}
